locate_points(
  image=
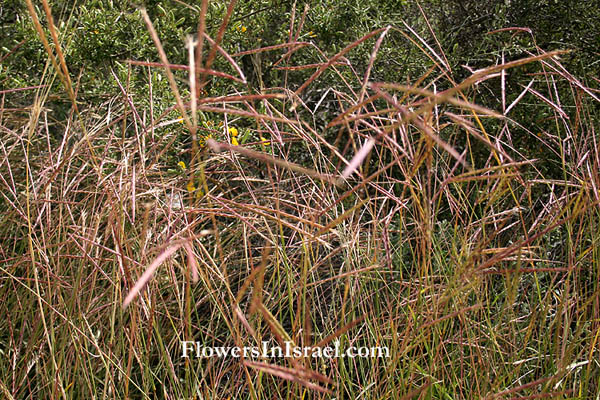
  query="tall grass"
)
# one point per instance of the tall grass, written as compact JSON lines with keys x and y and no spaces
{"x":411,"y":220}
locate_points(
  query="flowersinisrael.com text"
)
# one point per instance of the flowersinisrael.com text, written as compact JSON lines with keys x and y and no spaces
{"x":266,"y":350}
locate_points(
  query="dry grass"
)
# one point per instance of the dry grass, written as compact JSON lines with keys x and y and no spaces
{"x":413,"y":221}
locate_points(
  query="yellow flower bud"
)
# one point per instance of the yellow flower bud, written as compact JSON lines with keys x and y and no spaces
{"x":191,"y":187}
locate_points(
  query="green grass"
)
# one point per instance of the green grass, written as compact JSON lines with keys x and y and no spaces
{"x":472,"y":257}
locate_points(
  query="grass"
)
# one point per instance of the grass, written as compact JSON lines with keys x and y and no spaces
{"x":410,"y":219}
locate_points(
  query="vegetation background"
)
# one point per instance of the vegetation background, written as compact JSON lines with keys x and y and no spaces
{"x":417,"y":175}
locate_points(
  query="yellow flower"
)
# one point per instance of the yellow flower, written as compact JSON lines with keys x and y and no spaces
{"x":190,"y":187}
{"x":180,"y":120}
{"x":264,"y":141}
{"x":311,"y":34}
{"x":233,"y":132}
{"x":182,"y":165}
{"x":203,"y":139}
{"x":243,"y":29}
{"x":234,"y":141}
